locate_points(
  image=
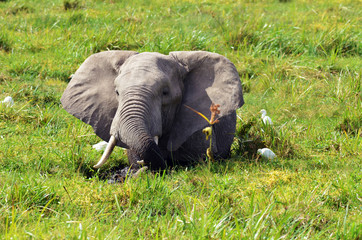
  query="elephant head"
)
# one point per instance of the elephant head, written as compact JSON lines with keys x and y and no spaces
{"x":133,"y":99}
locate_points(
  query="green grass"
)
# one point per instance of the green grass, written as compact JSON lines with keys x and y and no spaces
{"x":299,"y":60}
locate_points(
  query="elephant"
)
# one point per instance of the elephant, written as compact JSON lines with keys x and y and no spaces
{"x":142,"y":101}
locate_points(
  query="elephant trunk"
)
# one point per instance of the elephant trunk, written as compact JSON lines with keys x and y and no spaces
{"x":151,"y":154}
{"x":137,"y":123}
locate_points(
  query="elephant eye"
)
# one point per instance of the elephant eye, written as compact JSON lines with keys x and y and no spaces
{"x":117,"y":92}
{"x":165,"y":91}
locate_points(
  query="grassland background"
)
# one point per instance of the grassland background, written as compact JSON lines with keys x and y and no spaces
{"x":299,"y":60}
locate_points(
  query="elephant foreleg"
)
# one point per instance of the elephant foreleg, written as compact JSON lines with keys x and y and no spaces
{"x":224,"y":133}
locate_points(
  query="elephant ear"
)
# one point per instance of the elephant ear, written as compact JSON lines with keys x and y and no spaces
{"x":209,"y":78}
{"x":90,"y":95}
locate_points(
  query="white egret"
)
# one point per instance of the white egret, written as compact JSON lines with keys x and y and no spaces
{"x":100,"y":146}
{"x":8,"y":101}
{"x":266,"y":153}
{"x":266,"y":119}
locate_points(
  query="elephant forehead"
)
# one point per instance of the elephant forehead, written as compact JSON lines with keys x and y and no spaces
{"x":140,"y":76}
{"x":150,"y":62}
{"x":150,"y":75}
{"x":149,"y":55}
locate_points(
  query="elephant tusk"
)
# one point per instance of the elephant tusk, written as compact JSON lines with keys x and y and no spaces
{"x":142,"y":162}
{"x":155,"y":138}
{"x":111,"y":144}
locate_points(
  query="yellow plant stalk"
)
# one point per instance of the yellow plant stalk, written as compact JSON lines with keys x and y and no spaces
{"x":214,"y":109}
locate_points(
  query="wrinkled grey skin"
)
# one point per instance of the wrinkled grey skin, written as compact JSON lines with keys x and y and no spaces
{"x":136,"y":96}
